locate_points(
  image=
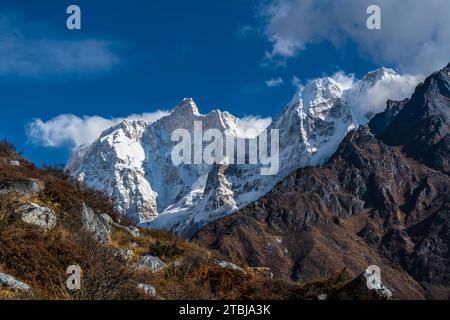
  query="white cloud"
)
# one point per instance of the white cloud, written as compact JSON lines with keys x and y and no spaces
{"x":251,"y":126}
{"x":25,"y":52}
{"x":274,"y":82}
{"x":346,"y":81}
{"x":68,"y":130}
{"x":73,"y":131}
{"x":296,"y":83}
{"x":397,"y":88}
{"x":369,"y":100}
{"x":415,"y":34}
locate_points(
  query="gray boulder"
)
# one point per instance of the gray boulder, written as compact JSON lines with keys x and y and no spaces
{"x":101,"y":225}
{"x":109,"y":222}
{"x":37,"y":215}
{"x":148,"y":289}
{"x":96,"y":225}
{"x":227,"y":265}
{"x":14,"y":163}
{"x":359,"y":289}
{"x":154,"y":264}
{"x":322,"y":297}
{"x":13,"y":284}
{"x":126,"y":255}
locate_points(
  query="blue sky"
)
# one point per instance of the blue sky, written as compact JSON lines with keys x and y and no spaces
{"x":133,"y":57}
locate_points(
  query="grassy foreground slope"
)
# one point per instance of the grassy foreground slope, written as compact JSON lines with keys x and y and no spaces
{"x":38,"y":255}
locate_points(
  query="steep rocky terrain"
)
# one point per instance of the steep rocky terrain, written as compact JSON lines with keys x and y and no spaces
{"x":382,"y":199}
{"x":132,"y":161}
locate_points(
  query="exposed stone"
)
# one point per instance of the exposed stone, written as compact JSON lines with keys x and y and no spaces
{"x":14,"y":163}
{"x":96,"y":225}
{"x":34,"y":214}
{"x":154,"y":264}
{"x":322,"y":297}
{"x":227,"y":265}
{"x":12,"y":283}
{"x":109,"y":223}
{"x":360,"y":290}
{"x":126,"y":255}
{"x":148,"y":289}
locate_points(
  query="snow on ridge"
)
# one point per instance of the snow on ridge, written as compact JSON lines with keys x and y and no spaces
{"x":131,"y":161}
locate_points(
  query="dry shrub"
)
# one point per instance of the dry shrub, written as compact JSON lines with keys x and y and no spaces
{"x":7,"y":149}
{"x":104,"y":276}
{"x":166,"y":251}
{"x":7,"y":205}
{"x":196,"y":278}
{"x":39,"y":259}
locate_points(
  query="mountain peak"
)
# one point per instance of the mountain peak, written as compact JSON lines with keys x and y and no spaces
{"x":380,"y":73}
{"x":324,"y":85}
{"x":423,"y":123}
{"x":187,"y":105}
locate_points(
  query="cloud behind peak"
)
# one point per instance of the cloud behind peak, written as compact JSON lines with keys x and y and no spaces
{"x":414,"y":37}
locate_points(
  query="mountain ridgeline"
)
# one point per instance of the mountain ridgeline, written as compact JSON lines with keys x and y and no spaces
{"x":132,"y":161}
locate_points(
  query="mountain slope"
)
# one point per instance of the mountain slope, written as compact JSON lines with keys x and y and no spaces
{"x":424,"y":131}
{"x":377,"y":201}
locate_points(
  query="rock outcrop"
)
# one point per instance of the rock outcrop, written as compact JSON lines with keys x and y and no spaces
{"x":37,"y":215}
{"x":98,"y":225}
{"x":12,"y":283}
{"x":154,"y":264}
{"x":363,"y":288}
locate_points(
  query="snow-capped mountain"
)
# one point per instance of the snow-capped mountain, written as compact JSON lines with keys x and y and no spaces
{"x":132,"y":161}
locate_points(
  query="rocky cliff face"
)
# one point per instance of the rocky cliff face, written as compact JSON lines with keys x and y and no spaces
{"x":132,"y":162}
{"x":381,"y":199}
{"x":422,"y":126}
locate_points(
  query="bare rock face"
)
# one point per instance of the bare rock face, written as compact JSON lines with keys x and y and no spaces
{"x":34,"y":214}
{"x":360,"y":289}
{"x":219,"y":190}
{"x":12,"y":283}
{"x":97,"y":225}
{"x":109,"y":223}
{"x":422,"y":126}
{"x":101,"y":225}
